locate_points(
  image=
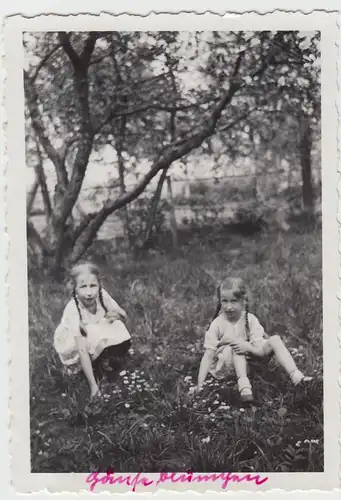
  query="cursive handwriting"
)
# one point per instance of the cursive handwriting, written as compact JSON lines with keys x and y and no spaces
{"x":130,"y":480}
{"x":224,"y":477}
{"x":139,"y":479}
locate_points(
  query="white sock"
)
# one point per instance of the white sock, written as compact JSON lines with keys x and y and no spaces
{"x":244,"y":385}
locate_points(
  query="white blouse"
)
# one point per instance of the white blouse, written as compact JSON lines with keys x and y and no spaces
{"x":71,"y":318}
{"x":221,"y":331}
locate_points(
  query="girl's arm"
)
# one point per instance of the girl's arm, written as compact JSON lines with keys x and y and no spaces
{"x":210,"y":345}
{"x":86,"y":364}
{"x":256,"y":343}
{"x":241,"y":347}
{"x":116,"y":314}
{"x":205,"y":364}
{"x":113,"y":308}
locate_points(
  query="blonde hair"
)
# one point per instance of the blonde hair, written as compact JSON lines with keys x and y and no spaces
{"x":75,"y":272}
{"x":239,"y":289}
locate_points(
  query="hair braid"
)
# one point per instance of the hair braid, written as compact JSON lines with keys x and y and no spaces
{"x":100,"y":295}
{"x":217,"y":311}
{"x":247,"y":325}
{"x":75,"y":298}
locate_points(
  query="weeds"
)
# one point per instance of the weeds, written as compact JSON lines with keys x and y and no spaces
{"x":147,"y":421}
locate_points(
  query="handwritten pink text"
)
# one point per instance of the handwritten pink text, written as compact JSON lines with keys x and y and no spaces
{"x":139,"y":479}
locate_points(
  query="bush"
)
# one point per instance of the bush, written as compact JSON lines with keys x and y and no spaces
{"x":138,"y":218}
{"x":249,"y":219}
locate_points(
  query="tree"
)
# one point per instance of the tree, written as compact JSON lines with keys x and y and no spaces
{"x":85,"y":90}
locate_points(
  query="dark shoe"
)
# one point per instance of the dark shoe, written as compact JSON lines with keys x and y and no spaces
{"x":246,"y":396}
{"x":247,"y":399}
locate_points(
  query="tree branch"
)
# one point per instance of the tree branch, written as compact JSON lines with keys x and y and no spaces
{"x":80,"y":75}
{"x":40,"y":174}
{"x":31,"y":197}
{"x":230,"y":125}
{"x":116,"y":113}
{"x":64,"y":40}
{"x":38,"y":126}
{"x":89,"y":47}
{"x":66,"y":200}
{"x":33,"y":234}
{"x":67,"y":146}
{"x":43,"y":62}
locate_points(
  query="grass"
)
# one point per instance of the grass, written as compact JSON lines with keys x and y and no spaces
{"x":147,"y":422}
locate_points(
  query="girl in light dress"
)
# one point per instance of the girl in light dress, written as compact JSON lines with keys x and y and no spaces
{"x":234,"y":335}
{"x":91,"y":326}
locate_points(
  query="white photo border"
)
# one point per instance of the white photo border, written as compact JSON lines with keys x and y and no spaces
{"x":22,"y":479}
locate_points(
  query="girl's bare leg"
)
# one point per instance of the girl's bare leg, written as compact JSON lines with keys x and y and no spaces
{"x":86,"y":365}
{"x":275,"y":345}
{"x":244,"y":386}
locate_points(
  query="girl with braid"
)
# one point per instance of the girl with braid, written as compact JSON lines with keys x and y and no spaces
{"x":235,"y":335}
{"x":91,"y":326}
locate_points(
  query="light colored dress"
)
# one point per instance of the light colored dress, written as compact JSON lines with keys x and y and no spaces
{"x":100,"y":332}
{"x":221,"y":332}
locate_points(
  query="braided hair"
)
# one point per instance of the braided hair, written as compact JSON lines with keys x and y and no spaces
{"x":75,"y":298}
{"x":75,"y":272}
{"x":101,"y":300}
{"x":239,"y":290}
{"x":218,"y":308}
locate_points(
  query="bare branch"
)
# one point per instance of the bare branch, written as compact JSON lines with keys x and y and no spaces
{"x":80,"y":75}
{"x":88,"y":48}
{"x":33,"y":234}
{"x":64,"y":40}
{"x":39,"y":128}
{"x":66,"y":148}
{"x":40,"y":174}
{"x":116,"y":113}
{"x":69,"y":197}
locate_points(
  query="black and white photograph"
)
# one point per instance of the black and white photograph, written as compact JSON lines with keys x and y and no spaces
{"x":173,"y":183}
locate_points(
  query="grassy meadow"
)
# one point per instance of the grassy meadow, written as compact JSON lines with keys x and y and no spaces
{"x":147,"y":422}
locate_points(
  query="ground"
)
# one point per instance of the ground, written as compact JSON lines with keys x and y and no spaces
{"x":147,"y":421}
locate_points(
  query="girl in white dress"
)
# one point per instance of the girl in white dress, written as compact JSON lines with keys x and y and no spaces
{"x":91,"y":325}
{"x":234,"y":335}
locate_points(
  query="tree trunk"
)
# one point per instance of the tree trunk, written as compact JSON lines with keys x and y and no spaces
{"x":153,"y":209}
{"x":126,"y":223}
{"x":121,"y":172}
{"x":173,"y":223}
{"x":305,"y":159}
{"x":41,"y":177}
{"x":58,"y":237}
{"x":31,"y":197}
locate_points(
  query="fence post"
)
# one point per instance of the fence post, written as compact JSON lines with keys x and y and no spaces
{"x":172,"y":220}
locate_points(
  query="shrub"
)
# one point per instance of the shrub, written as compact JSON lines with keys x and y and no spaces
{"x":249,"y":219}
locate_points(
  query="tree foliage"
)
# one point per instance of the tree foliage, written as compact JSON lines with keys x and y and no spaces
{"x":155,"y":98}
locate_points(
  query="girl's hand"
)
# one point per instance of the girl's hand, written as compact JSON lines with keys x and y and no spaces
{"x":115,"y":315}
{"x":240,"y":347}
{"x":112,"y":316}
{"x":123,"y":314}
{"x":95,"y":391}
